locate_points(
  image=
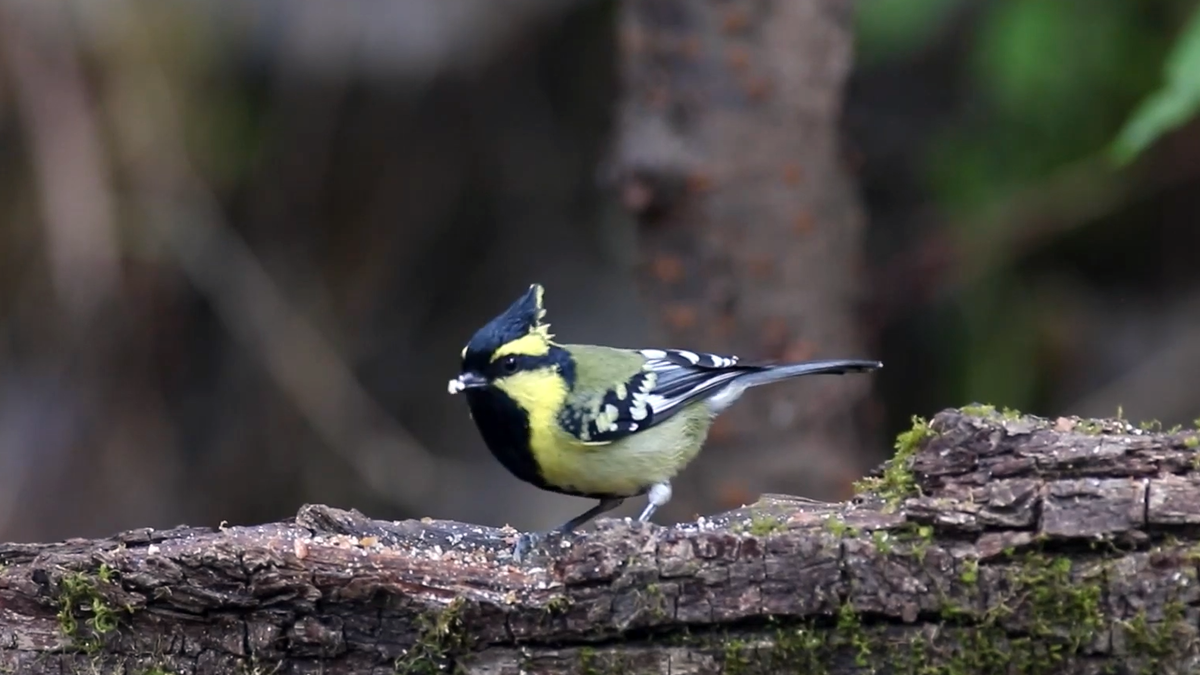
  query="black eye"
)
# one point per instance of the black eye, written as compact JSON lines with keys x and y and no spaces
{"x":509,"y":364}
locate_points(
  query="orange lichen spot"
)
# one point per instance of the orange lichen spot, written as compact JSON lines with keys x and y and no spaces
{"x":792,"y":173}
{"x":735,"y":20}
{"x":659,"y":97}
{"x":724,"y":325}
{"x":636,"y":195}
{"x":761,"y":267}
{"x":803,"y":223}
{"x":757,"y":88}
{"x":799,"y":350}
{"x":680,"y":316}
{"x":667,"y":268}
{"x":699,"y":182}
{"x":633,"y":39}
{"x":732,"y":494}
{"x":722,"y":429}
{"x":774,"y":337}
{"x":690,"y":46}
{"x":738,"y":57}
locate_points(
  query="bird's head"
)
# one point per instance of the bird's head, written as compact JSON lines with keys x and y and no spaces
{"x":513,"y":343}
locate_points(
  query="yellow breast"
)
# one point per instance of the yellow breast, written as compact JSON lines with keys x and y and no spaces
{"x":624,"y":467}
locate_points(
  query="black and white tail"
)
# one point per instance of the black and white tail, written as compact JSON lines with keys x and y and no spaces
{"x":681,"y":376}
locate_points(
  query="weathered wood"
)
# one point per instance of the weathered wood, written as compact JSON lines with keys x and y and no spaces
{"x":993,"y":543}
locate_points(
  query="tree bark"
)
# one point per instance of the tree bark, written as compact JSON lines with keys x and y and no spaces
{"x":992,"y":543}
{"x":751,"y":231}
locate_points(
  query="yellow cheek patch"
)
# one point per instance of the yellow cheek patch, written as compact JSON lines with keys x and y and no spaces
{"x":533,"y":344}
{"x":540,"y":393}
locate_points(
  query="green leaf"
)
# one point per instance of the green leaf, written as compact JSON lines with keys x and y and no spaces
{"x":886,"y":29}
{"x":1172,"y":105}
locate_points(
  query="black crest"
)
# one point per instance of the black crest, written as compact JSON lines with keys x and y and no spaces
{"x":521,"y":318}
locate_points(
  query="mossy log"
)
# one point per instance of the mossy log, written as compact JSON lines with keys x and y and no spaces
{"x":993,"y":543}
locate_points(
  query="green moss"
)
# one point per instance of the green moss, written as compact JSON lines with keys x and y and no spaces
{"x":1150,"y":425}
{"x":592,"y":662}
{"x":440,"y":642}
{"x":838,"y":527}
{"x":804,"y":649}
{"x":970,"y":572}
{"x":978,"y":410}
{"x":982,"y":410}
{"x":84,"y":615}
{"x":1042,"y":613}
{"x":587,"y":661}
{"x":654,"y":602}
{"x":918,"y":537}
{"x":883,"y":541}
{"x":763,"y":525}
{"x":559,"y":604}
{"x":898,"y":482}
{"x":850,"y":632}
{"x":735,"y":659}
{"x":1191,"y":442}
{"x":1156,"y":644}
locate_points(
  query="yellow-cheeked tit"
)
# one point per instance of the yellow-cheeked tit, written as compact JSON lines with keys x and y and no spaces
{"x":601,"y":422}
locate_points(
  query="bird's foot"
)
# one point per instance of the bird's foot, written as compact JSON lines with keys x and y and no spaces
{"x":526,"y":542}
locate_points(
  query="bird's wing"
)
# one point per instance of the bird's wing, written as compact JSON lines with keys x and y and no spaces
{"x":669,"y":379}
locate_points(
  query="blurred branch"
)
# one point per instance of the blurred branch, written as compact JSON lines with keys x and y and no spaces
{"x":959,"y":254}
{"x":39,"y":47}
{"x":182,"y":212}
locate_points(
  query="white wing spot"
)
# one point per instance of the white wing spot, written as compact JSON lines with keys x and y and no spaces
{"x":608,"y":419}
{"x":622,"y":392}
{"x":647,"y":383}
{"x":638,"y":410}
{"x":690,"y":356}
{"x":653,"y":353}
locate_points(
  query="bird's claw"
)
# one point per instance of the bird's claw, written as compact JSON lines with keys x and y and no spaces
{"x":526,"y":542}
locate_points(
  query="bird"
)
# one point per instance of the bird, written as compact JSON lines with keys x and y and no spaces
{"x":599,"y":422}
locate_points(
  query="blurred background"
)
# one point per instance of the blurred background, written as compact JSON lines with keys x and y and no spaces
{"x":242,"y":244}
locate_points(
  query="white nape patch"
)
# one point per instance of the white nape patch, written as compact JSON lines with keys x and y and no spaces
{"x":653,"y":353}
{"x":690,"y":356}
{"x":456,"y":385}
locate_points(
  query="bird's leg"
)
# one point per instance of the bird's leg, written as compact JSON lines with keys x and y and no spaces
{"x":660,"y":493}
{"x":528,"y":540}
{"x":604,"y":506}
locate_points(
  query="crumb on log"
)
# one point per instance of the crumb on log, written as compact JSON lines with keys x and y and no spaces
{"x":993,"y":542}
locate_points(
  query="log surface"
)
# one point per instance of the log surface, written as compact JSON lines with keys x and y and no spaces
{"x":995,"y":544}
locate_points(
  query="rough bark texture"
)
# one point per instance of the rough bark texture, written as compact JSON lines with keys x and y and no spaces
{"x":752,"y":234}
{"x":1016,"y":545}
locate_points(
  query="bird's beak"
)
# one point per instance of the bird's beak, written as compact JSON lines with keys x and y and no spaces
{"x":467,"y":381}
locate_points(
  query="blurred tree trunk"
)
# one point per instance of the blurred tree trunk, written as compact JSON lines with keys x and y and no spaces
{"x":752,"y":234}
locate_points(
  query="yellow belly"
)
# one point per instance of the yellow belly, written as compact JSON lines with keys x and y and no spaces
{"x":625,"y":467}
